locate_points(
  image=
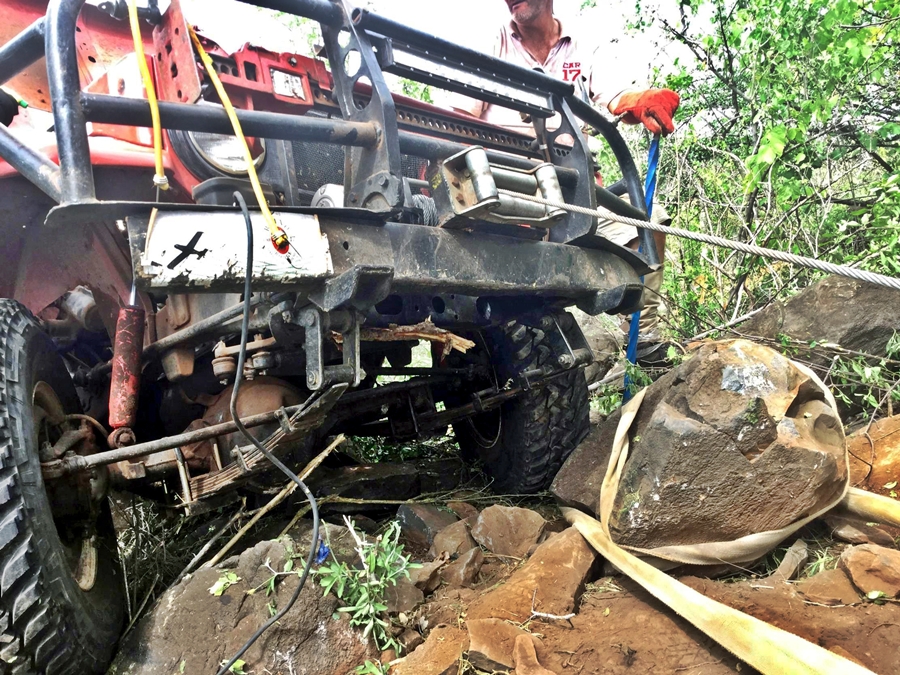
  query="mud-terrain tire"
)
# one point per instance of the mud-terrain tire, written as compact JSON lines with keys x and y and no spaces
{"x":48,"y":624}
{"x":524,"y":444}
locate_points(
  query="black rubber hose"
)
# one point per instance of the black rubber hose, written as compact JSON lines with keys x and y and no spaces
{"x":242,"y":356}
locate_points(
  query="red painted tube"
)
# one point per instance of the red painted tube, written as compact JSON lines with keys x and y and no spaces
{"x":126,"y":368}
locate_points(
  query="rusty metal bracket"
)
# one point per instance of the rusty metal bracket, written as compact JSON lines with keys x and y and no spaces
{"x":285,"y":421}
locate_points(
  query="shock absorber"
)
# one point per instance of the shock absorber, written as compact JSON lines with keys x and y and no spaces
{"x":126,"y":376}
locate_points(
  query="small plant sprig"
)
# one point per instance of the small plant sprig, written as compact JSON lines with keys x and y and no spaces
{"x":364,"y":589}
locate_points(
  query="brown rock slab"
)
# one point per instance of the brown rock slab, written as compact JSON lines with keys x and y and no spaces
{"x":831,"y":587}
{"x":526,"y":658}
{"x":464,"y":570}
{"x":421,"y":522}
{"x":453,"y":539}
{"x":873,"y":568}
{"x":553,"y":577}
{"x":492,"y":641}
{"x":793,"y":560}
{"x":463,"y":509}
{"x":508,"y":530}
{"x":410,"y":639}
{"x":427,"y":577}
{"x":439,"y":655}
{"x":403,"y":597}
{"x":880,"y":447}
{"x":856,"y":531}
{"x":448,"y":605}
{"x":734,"y":441}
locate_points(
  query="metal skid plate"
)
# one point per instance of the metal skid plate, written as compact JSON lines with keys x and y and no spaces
{"x":208,"y":251}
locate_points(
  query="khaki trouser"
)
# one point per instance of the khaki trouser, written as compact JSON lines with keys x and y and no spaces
{"x":623,"y":235}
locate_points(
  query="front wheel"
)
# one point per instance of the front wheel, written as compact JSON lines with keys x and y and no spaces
{"x":61,"y":599}
{"x":524,"y":442}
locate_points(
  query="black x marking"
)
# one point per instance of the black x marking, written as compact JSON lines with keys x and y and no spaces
{"x":187,"y":250}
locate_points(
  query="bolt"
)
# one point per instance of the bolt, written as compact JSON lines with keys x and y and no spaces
{"x":566,"y":361}
{"x":286,"y":316}
{"x":547,"y":322}
{"x":292,"y":61}
{"x":384,"y":181}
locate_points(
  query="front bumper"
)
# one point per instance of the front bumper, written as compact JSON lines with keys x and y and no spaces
{"x":194,"y":250}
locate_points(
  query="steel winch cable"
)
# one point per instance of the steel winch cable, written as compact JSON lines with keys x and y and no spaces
{"x":314,"y":509}
{"x":781,"y":256}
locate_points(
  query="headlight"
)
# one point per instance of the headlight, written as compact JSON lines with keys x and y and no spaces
{"x":226,"y":153}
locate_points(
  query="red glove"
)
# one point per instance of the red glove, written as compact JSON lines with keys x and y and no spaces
{"x":653,"y":108}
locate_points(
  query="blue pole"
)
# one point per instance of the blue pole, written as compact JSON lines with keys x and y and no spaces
{"x":634,"y":326}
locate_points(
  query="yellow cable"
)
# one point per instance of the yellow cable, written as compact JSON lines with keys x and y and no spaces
{"x":279,"y":238}
{"x":159,"y":179}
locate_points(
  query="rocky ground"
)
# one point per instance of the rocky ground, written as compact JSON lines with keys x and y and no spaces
{"x":495,"y":579}
{"x":506,"y":586}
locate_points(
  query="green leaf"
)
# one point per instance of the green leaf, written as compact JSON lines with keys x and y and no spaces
{"x":223,"y":583}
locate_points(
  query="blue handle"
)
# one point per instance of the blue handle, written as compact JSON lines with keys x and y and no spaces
{"x":649,"y":192}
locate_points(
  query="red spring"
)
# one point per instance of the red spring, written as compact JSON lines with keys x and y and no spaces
{"x":126,"y":368}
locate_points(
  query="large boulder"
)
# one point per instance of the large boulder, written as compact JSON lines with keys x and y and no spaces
{"x":854,"y":314}
{"x":192,"y":630}
{"x":736,"y":440}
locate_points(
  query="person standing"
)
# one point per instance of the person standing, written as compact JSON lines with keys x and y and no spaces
{"x":535,"y":38}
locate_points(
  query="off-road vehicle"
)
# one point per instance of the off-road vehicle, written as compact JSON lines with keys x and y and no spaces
{"x":386,"y":221}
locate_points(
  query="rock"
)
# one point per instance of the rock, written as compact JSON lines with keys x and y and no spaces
{"x":526,"y":658}
{"x":464,"y":570}
{"x":427,"y":577}
{"x":491,"y":643}
{"x":192,"y":631}
{"x":554,"y":578}
{"x":734,"y":441}
{"x":385,"y":481}
{"x":793,"y":560}
{"x":410,"y":639}
{"x":338,"y":538}
{"x":463,"y":509}
{"x":421,"y":522}
{"x":853,"y":314}
{"x":439,"y":655}
{"x":453,"y":540}
{"x":831,"y":587}
{"x":873,"y":568}
{"x":856,"y":531}
{"x":882,"y":452}
{"x":441,"y":475}
{"x":605,"y":340}
{"x":508,"y":530}
{"x":448,"y":605}
{"x":403,"y":597}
